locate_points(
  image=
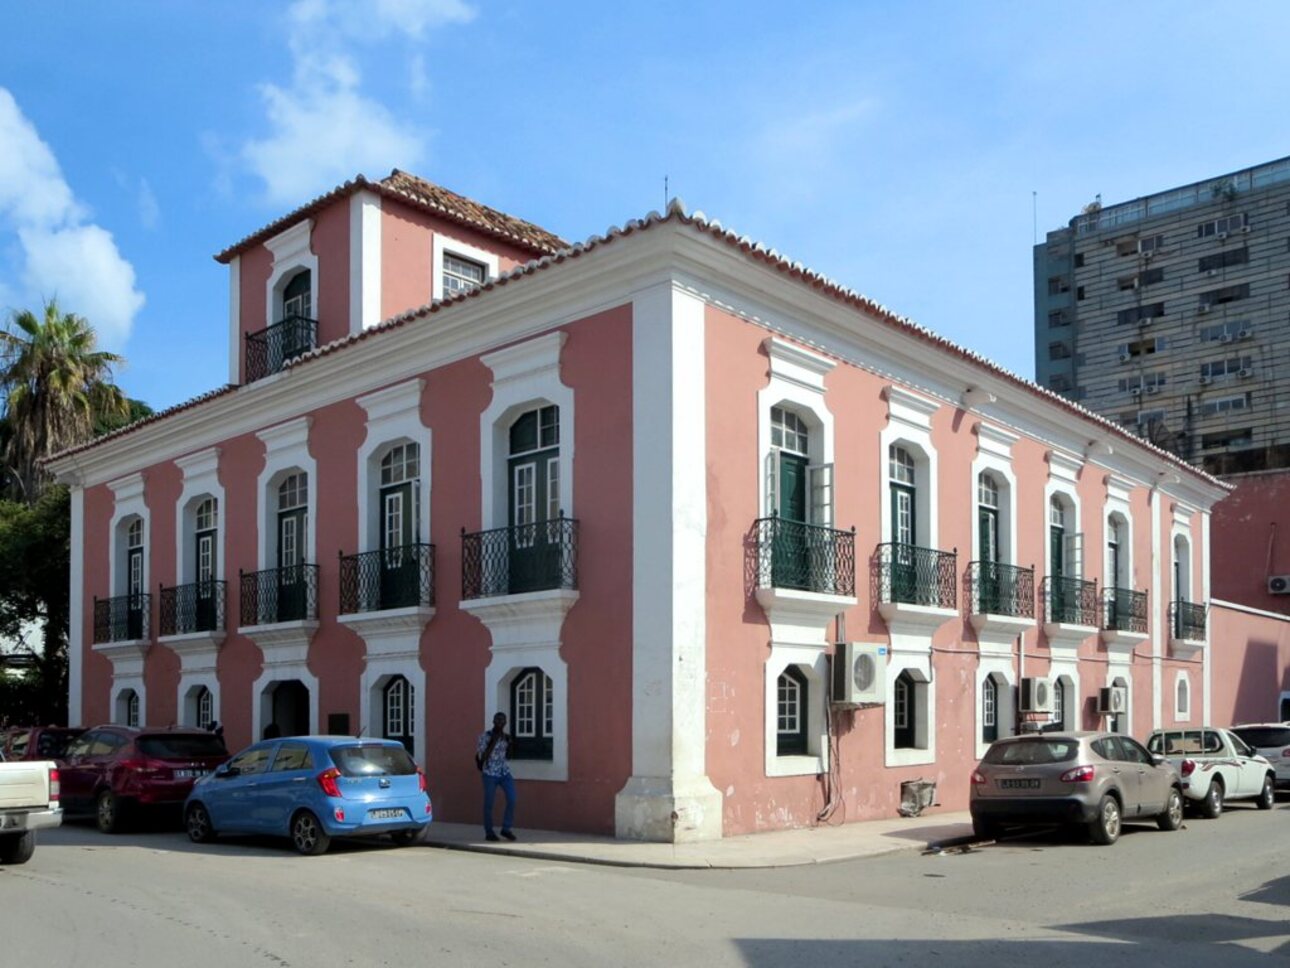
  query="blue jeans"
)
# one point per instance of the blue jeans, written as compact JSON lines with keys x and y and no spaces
{"x":491,"y":785}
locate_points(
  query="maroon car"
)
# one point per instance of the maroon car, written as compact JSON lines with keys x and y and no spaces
{"x":111,"y":771}
{"x":38,"y":742}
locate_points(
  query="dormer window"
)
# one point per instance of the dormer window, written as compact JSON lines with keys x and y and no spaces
{"x":297,"y":299}
{"x":461,"y":275}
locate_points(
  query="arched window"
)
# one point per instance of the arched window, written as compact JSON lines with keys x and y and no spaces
{"x":533,"y":468}
{"x":293,"y":551}
{"x":1182,"y":697}
{"x":400,"y":526}
{"x":205,"y":704}
{"x":902,"y":477}
{"x":1059,"y":703}
{"x":297,"y":300}
{"x":532,"y":715}
{"x":134,"y":579}
{"x":205,"y":547}
{"x":1057,"y":537}
{"x":398,"y":719}
{"x":791,"y":712}
{"x":989,"y":710}
{"x":129,"y":707}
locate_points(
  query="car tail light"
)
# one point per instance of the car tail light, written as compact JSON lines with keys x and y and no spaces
{"x":1188,"y":767}
{"x":429,"y":808}
{"x":55,"y":788}
{"x":1286,"y":752}
{"x":339,"y":814}
{"x":327,"y":780}
{"x":978,"y":778}
{"x":142,"y":767}
{"x":421,"y":780}
{"x":1081,"y":774}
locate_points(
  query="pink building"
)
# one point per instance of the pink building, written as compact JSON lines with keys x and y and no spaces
{"x":646,"y":495}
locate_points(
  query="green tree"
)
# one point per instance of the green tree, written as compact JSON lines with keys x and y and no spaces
{"x":56,"y":385}
{"x":34,"y":589}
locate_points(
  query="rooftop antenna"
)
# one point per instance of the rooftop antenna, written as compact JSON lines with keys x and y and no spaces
{"x":666,"y":197}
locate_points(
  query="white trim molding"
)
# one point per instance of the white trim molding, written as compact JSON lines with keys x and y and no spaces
{"x":364,"y":261}
{"x":76,"y":611}
{"x":909,"y":422}
{"x":127,"y":658}
{"x":393,"y":417}
{"x":391,"y":647}
{"x":291,"y":251}
{"x":235,"y":319}
{"x":1005,"y":708}
{"x":286,"y":449}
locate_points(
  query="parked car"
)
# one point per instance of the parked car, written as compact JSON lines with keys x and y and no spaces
{"x":29,"y":801}
{"x":1097,"y":780}
{"x":1216,"y":765}
{"x":111,"y":771}
{"x":39,"y":742}
{"x":311,"y":789}
{"x":1272,"y":742}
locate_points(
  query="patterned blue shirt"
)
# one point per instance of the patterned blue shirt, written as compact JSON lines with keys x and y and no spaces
{"x":497,"y":764}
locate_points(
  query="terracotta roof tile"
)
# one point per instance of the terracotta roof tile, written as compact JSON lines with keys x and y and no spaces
{"x":426,"y":196}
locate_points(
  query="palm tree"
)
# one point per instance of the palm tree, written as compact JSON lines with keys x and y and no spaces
{"x":55,"y":385}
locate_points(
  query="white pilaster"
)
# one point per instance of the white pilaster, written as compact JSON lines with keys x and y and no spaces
{"x":235,"y":319}
{"x":1159,"y":611}
{"x":76,"y":611}
{"x":669,"y":796}
{"x":364,"y":261}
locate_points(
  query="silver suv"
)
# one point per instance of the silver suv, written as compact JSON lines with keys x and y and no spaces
{"x":1098,"y":780}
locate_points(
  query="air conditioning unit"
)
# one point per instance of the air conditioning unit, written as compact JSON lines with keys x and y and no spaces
{"x":1112,"y":700}
{"x":1245,"y":374}
{"x":1209,"y":273}
{"x":1245,"y":228}
{"x":1279,"y":585}
{"x":1244,"y":334}
{"x":1206,"y":381}
{"x":1036,"y":695}
{"x":1135,"y":392}
{"x":1203,"y":308}
{"x":1222,"y":236}
{"x":1125,"y":357}
{"x":859,"y":674}
{"x":1148,"y":253}
{"x":1225,"y":338}
{"x":1153,"y":390}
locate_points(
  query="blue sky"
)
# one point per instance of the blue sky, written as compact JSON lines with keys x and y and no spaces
{"x":894,"y":147}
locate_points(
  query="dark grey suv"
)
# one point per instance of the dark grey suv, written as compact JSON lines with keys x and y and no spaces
{"x":1098,"y":780}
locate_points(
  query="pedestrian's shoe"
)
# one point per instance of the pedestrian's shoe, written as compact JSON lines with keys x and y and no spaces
{"x":490,"y":836}
{"x":508,"y":834}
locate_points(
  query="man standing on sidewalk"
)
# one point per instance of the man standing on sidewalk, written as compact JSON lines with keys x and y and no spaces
{"x":491,"y":754}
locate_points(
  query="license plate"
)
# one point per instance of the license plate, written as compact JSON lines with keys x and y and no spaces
{"x":386,"y":814}
{"x":1019,"y":784}
{"x":189,"y":774}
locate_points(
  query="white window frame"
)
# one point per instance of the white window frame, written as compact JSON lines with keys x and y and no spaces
{"x":291,"y":251}
{"x":994,"y":458}
{"x":444,"y":245}
{"x":1182,"y":697}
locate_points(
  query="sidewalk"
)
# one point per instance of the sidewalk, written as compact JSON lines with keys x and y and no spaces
{"x":785,"y":848}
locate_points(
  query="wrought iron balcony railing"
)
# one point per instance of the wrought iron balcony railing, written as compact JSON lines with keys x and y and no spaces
{"x":1124,"y":610}
{"x":1070,"y":601}
{"x":998,"y":589}
{"x":806,"y":557}
{"x":269,"y":350}
{"x":916,"y":576}
{"x":526,"y":558}
{"x":287,"y":594}
{"x":198,"y":607}
{"x":1187,"y":619}
{"x":373,"y":581}
{"x":122,"y":619}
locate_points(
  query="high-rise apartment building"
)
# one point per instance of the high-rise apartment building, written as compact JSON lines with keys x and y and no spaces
{"x":1170,"y":314}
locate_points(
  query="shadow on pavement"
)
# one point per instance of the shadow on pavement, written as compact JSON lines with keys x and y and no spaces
{"x":168,"y":837}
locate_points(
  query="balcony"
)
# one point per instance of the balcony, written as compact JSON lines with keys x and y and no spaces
{"x":1001,"y":602}
{"x":269,"y":350}
{"x":393,"y":578}
{"x":122,"y":619}
{"x":1124,"y":617}
{"x":1187,"y":624}
{"x":1070,"y":610}
{"x":537,"y":557}
{"x":805,"y":575}
{"x":189,"y":609}
{"x":278,"y":595}
{"x":916,"y":591}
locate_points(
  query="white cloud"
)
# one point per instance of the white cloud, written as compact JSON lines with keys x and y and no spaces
{"x":322,"y":127}
{"x":149,"y":210}
{"x":61,"y":253}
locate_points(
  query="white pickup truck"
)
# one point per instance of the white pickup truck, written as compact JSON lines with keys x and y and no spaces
{"x":1216,"y":765}
{"x":29,"y":800}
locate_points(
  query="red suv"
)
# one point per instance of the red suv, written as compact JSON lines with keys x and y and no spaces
{"x":37,"y":742}
{"x":109,"y":771}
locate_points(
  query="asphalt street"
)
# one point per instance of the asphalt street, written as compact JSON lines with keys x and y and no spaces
{"x":1215,"y":893}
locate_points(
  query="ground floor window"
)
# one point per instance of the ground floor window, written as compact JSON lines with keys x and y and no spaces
{"x":205,"y":708}
{"x":909,"y":711}
{"x":791,"y":712}
{"x":398,"y":697}
{"x":128,"y":707}
{"x":989,"y":710}
{"x":532,"y":715}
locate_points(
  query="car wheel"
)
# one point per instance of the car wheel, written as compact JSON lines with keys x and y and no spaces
{"x":108,"y":813}
{"x":198,"y":824}
{"x":1268,"y":795}
{"x":1105,"y":829}
{"x":985,"y":829}
{"x":307,"y":834}
{"x":17,"y":849}
{"x":1172,"y":818}
{"x":405,"y":838}
{"x":1211,"y":808}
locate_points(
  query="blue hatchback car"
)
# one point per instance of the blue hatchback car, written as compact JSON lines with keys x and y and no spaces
{"x":311,"y":789}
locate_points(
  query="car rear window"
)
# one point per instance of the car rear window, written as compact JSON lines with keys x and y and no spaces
{"x":182,"y":746}
{"x":1033,"y":752}
{"x":1195,"y":742}
{"x":373,"y":760}
{"x":1264,"y":736}
{"x":53,"y":744}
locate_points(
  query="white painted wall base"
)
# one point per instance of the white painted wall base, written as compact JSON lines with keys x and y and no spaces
{"x":668,"y":809}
